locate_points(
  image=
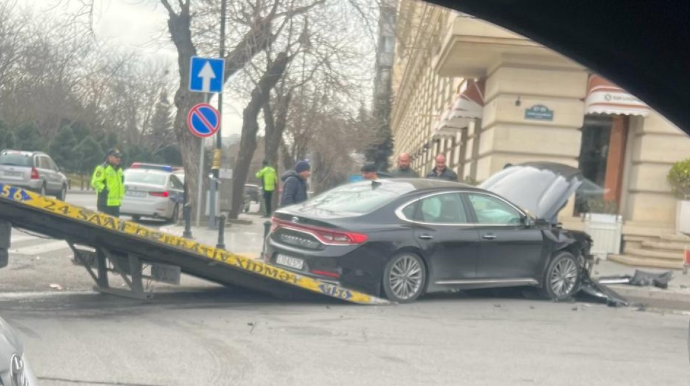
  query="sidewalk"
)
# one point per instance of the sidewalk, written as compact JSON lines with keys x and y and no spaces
{"x":244,"y":237}
{"x":676,"y":296}
{"x":79,"y":191}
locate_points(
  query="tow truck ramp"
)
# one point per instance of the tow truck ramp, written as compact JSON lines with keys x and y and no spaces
{"x":103,"y":244}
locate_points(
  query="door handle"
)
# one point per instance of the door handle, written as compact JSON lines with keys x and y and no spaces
{"x":426,"y":236}
{"x":489,"y":237}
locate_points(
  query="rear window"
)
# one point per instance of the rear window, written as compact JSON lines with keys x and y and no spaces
{"x":145,"y":178}
{"x":15,"y":159}
{"x":358,"y":198}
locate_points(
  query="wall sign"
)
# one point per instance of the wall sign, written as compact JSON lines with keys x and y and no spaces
{"x":539,"y":113}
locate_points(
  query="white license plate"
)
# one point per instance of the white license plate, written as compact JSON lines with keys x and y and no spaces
{"x":288,"y":261}
{"x":135,"y":194}
{"x":13,"y":174}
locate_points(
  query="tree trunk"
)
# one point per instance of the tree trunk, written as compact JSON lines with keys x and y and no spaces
{"x":250,"y":127}
{"x":288,"y":161}
{"x":275,"y":127}
{"x":253,"y":42}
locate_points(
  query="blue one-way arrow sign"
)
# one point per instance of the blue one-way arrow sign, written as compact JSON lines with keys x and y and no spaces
{"x":206,"y":74}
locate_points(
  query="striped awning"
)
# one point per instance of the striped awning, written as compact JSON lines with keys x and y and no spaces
{"x":467,"y":106}
{"x":604,"y":97}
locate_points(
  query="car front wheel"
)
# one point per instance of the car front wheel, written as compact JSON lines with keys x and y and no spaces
{"x":404,"y":278}
{"x":562,"y":277}
{"x":62,"y":194}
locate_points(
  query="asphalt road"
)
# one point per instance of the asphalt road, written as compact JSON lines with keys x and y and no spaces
{"x":204,"y":334}
{"x":218,"y":337}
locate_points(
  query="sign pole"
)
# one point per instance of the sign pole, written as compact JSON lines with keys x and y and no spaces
{"x":206,"y":75}
{"x":201,"y":174}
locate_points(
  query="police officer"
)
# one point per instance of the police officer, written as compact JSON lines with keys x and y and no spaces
{"x":108,"y":182}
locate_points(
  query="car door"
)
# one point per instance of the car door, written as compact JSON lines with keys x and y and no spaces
{"x":176,"y":190}
{"x":446,"y":237}
{"x":509,"y":249}
{"x":43,"y":166}
{"x":55,"y":177}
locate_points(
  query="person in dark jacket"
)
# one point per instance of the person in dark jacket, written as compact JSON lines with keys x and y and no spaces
{"x":404,"y":170}
{"x":441,"y":171}
{"x":369,"y":172}
{"x":295,"y":184}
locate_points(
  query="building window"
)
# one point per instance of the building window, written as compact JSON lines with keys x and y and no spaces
{"x":602,"y":154}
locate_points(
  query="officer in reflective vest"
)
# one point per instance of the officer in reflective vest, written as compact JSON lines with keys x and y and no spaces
{"x":108,"y":182}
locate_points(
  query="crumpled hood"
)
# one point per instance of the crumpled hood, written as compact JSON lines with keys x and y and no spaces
{"x":288,"y":174}
{"x":543,"y":188}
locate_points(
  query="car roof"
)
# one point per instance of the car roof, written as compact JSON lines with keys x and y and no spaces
{"x":22,"y":152}
{"x":150,"y":171}
{"x":421,"y":184}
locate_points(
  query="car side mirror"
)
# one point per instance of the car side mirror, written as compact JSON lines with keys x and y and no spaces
{"x":526,"y":221}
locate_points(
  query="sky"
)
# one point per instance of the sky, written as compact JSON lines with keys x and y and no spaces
{"x":139,"y":25}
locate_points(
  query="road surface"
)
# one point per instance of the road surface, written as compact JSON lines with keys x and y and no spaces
{"x":216,"y":336}
{"x":204,"y":334}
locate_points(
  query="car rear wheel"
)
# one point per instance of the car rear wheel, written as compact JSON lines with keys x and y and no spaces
{"x":62,"y":194}
{"x":562,"y":277}
{"x":404,"y":278}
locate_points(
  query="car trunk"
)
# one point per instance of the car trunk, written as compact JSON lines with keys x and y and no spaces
{"x":140,"y":191}
{"x":15,"y":167}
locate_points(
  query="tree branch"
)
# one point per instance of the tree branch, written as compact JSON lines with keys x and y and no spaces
{"x":167,"y":6}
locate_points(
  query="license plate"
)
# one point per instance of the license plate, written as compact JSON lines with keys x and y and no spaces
{"x":135,"y":194}
{"x":291,"y":262}
{"x":13,"y":174}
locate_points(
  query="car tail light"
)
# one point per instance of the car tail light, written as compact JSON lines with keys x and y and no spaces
{"x":159,"y":194}
{"x":34,"y":174}
{"x":325,"y":235}
{"x":334,"y":275}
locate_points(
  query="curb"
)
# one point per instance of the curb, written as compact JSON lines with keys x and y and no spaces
{"x":656,"y":298}
{"x":80,"y":192}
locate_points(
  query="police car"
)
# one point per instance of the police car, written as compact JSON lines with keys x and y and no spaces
{"x":153,"y":191}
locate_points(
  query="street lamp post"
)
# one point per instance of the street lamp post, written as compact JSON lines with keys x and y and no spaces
{"x":215,"y":166}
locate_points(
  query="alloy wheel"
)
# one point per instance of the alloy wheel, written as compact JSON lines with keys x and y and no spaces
{"x":563,"y":277}
{"x":406,"y":277}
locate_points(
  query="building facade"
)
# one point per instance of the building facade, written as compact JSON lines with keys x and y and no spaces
{"x":486,"y":97}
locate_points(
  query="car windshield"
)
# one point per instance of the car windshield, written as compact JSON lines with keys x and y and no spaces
{"x":145,"y":178}
{"x":15,"y":159}
{"x":358,"y":198}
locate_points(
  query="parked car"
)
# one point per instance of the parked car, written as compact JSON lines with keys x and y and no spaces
{"x":14,"y":367}
{"x":254,"y":192}
{"x":143,"y":165}
{"x":152,"y":193}
{"x":33,"y":170}
{"x":405,"y":237}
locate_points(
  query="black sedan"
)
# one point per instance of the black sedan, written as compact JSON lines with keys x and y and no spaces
{"x":405,"y":237}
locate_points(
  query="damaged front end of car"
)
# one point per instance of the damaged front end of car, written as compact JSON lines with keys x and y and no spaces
{"x":590,"y":288}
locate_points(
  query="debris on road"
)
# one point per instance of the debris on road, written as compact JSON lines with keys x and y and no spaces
{"x":640,"y":279}
{"x":56,"y":287}
{"x":597,"y":290}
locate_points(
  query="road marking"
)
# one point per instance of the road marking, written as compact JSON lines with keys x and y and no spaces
{"x":42,"y":248}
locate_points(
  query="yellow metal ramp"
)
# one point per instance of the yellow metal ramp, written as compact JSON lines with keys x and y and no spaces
{"x":103,"y":243}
